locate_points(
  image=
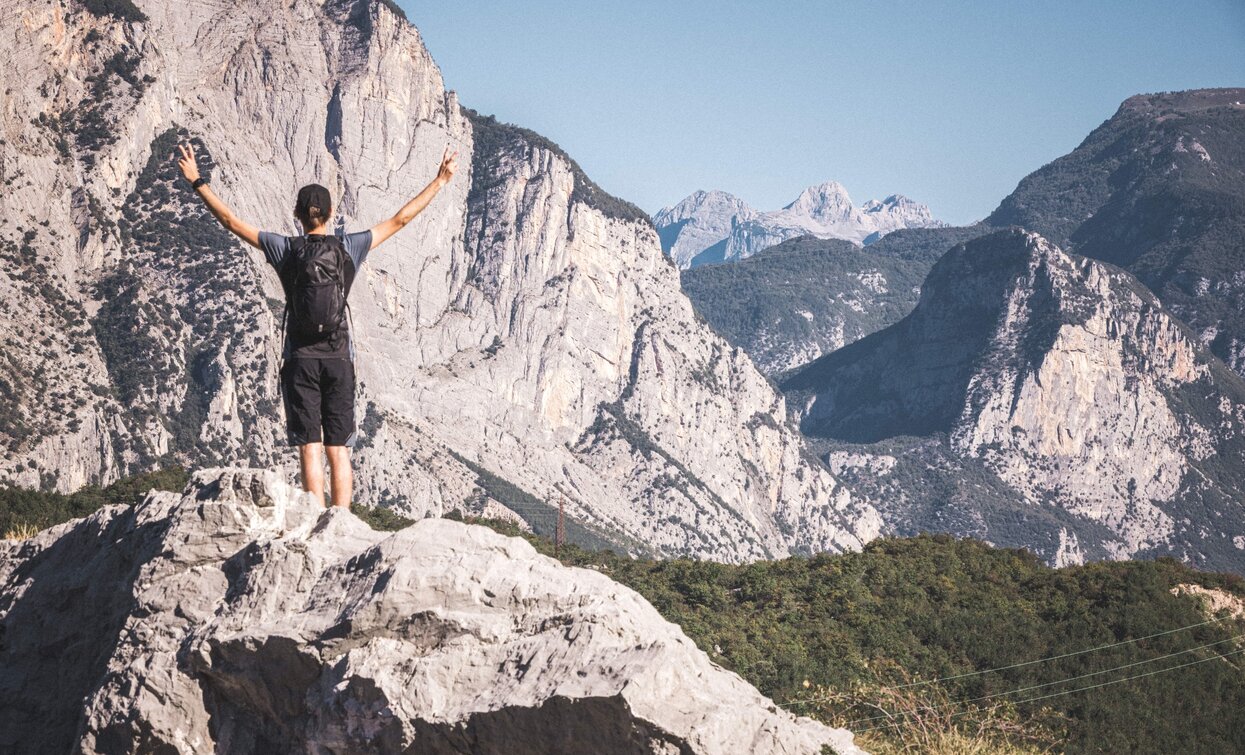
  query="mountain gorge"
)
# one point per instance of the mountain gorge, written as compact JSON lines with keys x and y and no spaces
{"x":1143,"y":191}
{"x":713,"y":226}
{"x":805,"y":297}
{"x":523,"y":343}
{"x":997,"y":409}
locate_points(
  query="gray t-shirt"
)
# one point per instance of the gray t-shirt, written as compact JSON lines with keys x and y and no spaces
{"x":276,"y":250}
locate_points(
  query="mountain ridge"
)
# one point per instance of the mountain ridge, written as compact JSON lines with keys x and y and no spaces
{"x":1157,"y":190}
{"x":714,"y":226}
{"x":806,"y":297}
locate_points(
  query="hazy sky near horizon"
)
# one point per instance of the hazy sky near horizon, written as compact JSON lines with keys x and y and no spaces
{"x":950,"y":102}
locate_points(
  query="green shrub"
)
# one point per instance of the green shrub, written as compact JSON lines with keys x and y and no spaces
{"x":121,"y":10}
{"x":934,"y":606}
{"x":24,"y":512}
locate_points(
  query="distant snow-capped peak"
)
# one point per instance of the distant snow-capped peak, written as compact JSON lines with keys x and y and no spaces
{"x":715,"y":226}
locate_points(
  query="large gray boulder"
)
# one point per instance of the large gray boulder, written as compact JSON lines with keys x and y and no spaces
{"x":239,"y":617}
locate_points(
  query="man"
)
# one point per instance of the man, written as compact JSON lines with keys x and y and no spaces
{"x":317,"y":270}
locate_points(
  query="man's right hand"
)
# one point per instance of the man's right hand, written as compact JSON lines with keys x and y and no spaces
{"x":190,"y":168}
{"x":220,"y":210}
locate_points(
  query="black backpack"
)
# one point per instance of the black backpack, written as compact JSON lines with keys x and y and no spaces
{"x":317,"y":271}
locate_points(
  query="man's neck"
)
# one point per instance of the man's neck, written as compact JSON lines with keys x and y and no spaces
{"x":320,"y":230}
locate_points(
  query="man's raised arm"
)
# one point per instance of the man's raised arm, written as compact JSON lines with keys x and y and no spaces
{"x":383,"y":230}
{"x":236,"y":226}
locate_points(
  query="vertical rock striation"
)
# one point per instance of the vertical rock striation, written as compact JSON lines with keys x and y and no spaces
{"x":1158,"y":189}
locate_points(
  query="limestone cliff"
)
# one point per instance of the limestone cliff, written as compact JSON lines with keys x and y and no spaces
{"x":525,"y":338}
{"x":1066,"y":379}
{"x":241,"y":617}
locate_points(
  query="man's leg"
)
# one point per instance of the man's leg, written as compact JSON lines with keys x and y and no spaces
{"x":337,"y":409}
{"x":343,"y":478}
{"x":300,"y":390}
{"x":311,"y":461}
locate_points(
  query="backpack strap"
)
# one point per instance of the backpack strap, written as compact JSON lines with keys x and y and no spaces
{"x":287,"y":282}
{"x":285,"y":316}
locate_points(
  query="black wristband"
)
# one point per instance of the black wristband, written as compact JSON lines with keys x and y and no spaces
{"x":200,"y":181}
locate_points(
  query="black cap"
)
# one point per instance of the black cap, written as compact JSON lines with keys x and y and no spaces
{"x":313,"y":195}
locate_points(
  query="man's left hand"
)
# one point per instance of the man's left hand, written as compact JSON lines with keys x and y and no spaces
{"x":448,"y":166}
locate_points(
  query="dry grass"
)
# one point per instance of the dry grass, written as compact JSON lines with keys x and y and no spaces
{"x":947,"y":743}
{"x":23,"y":531}
{"x":924,"y":720}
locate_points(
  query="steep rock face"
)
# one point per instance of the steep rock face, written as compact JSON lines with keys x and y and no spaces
{"x":524,"y":339}
{"x":637,"y":394}
{"x":1158,"y":189}
{"x":1066,"y":379}
{"x":181,"y":338}
{"x":240,"y":617}
{"x":712,"y":227}
{"x":806,"y":297}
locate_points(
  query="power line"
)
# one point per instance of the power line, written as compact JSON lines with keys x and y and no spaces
{"x":1034,"y":662}
{"x":1062,"y":655}
{"x":1062,"y":681}
{"x":1215,"y":657}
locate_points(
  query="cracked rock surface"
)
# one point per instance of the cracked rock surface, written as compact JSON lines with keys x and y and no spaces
{"x":238,"y":617}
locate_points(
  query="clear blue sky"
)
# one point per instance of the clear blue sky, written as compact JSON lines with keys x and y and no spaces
{"x":950,"y":102}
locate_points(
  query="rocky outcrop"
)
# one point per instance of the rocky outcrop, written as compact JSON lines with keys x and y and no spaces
{"x":523,"y":342}
{"x":714,"y":226}
{"x":241,"y":617}
{"x":1065,"y":378}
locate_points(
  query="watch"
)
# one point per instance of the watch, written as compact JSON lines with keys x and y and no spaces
{"x":200,"y":181}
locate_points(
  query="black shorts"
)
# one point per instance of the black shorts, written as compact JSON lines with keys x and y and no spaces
{"x":319,"y":401}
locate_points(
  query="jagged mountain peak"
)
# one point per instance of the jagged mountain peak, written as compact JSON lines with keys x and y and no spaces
{"x":829,"y":199}
{"x":709,"y":227}
{"x":702,"y":203}
{"x":894,"y":200}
